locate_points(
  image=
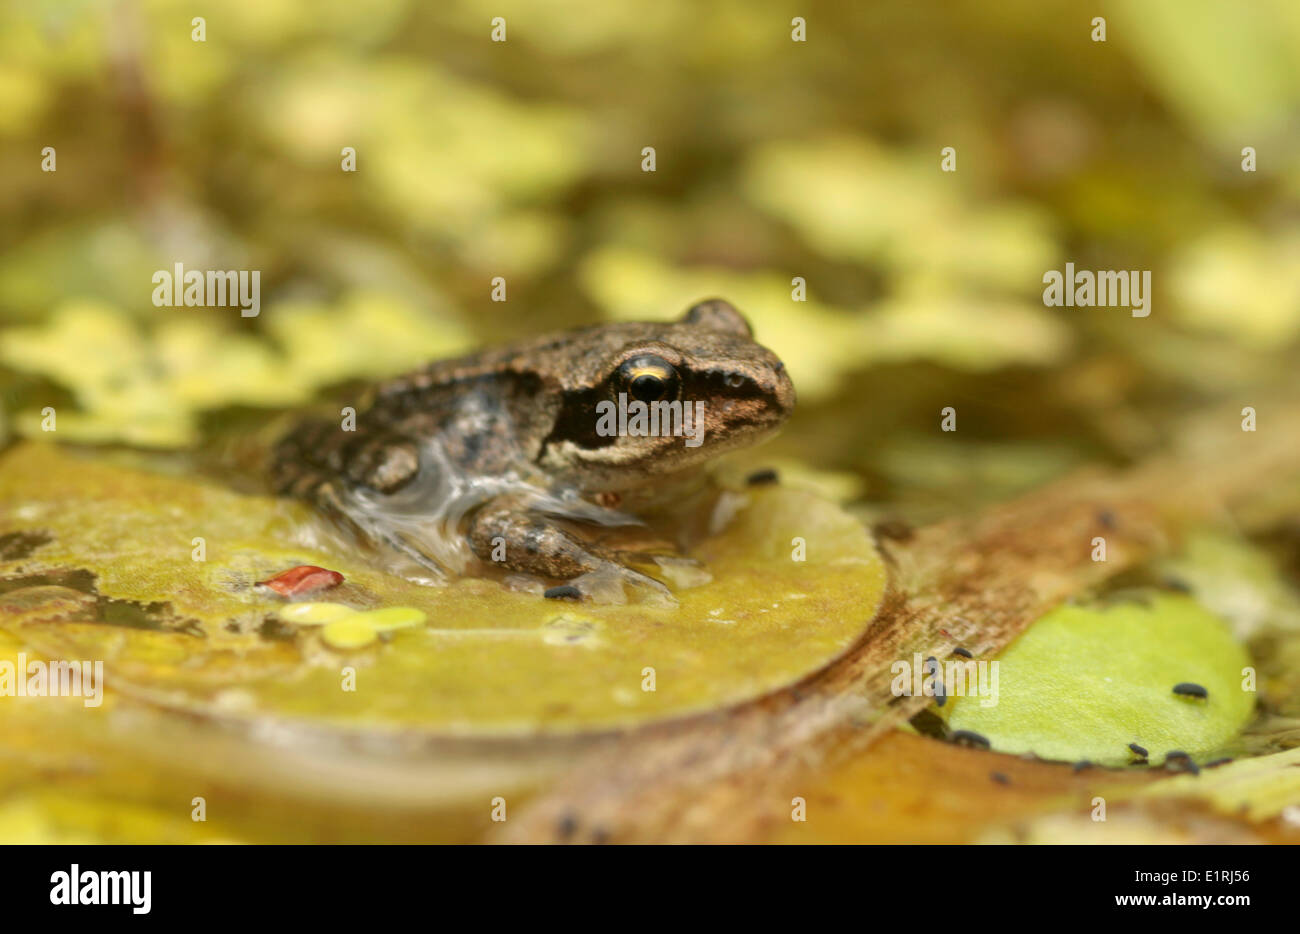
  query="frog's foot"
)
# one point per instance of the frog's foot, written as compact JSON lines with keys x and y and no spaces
{"x":681,"y":571}
{"x":610,"y":584}
{"x":535,"y":544}
{"x":341,"y":514}
{"x":413,"y":553}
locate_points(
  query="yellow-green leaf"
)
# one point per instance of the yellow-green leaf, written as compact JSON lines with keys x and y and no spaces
{"x":1084,"y":682}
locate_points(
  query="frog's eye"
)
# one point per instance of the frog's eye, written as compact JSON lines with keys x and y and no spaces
{"x":648,"y":378}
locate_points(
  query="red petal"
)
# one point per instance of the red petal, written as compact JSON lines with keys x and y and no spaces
{"x":304,"y":579}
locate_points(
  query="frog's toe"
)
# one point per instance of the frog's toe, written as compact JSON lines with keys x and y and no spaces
{"x":682,"y":572}
{"x":679,"y":570}
{"x":650,"y":590}
{"x":610,"y":584}
{"x":656,"y":557}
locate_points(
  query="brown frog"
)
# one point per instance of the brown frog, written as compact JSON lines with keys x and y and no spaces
{"x":504,"y":455}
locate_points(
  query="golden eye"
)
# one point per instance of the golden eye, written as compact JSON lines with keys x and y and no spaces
{"x":648,"y":378}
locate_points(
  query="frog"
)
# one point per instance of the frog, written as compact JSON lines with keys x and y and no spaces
{"x":506,"y":457}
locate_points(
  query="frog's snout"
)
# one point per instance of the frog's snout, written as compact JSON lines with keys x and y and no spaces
{"x":782,"y":391}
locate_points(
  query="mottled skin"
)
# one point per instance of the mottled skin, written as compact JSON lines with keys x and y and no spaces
{"x":523,"y":418}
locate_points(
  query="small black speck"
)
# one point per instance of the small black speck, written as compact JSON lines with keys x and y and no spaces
{"x":1178,"y":761}
{"x":764,"y":477}
{"x":563,"y":592}
{"x":927,"y":723}
{"x":970,"y":738}
{"x":1137,"y":750}
{"x":1081,"y":765}
{"x":566,"y":827}
{"x":964,"y":653}
{"x":1215,"y":763}
{"x":1106,"y":518}
{"x":1190,"y":689}
{"x":999,"y":778}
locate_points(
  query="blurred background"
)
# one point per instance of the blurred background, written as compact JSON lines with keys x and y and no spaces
{"x":783,"y":170}
{"x":775,"y":159}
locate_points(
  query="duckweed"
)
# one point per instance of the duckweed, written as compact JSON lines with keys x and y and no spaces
{"x":315,"y":614}
{"x":347,"y":628}
{"x":350,"y":632}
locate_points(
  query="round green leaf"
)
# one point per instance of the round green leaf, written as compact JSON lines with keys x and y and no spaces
{"x":1084,"y":682}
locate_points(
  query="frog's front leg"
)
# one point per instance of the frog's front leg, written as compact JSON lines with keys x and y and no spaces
{"x":506,"y":533}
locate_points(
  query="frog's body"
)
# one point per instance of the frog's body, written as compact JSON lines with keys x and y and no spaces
{"x":489,"y":454}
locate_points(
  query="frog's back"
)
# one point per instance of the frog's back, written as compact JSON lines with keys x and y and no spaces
{"x":471,"y":415}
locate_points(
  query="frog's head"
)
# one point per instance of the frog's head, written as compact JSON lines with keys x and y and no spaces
{"x":642,"y":400}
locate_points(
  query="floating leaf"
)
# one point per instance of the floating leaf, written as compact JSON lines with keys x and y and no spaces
{"x":794,"y":582}
{"x":1084,"y":682}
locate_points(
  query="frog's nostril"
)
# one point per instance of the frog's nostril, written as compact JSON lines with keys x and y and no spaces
{"x":780,"y":366}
